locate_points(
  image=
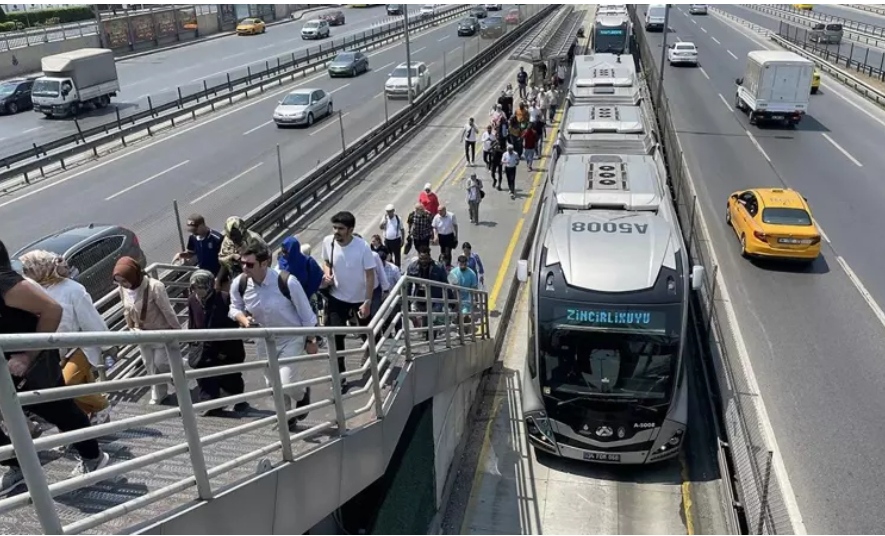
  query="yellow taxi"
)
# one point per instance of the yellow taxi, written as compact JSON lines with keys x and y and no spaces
{"x":815,"y":82}
{"x":774,"y":223}
{"x":807,"y":7}
{"x":251,"y":26}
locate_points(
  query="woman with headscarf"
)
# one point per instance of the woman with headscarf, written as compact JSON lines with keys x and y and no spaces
{"x":146,"y":307}
{"x":51,"y":272}
{"x":236,"y":235}
{"x":26,"y":308}
{"x":302,"y":267}
{"x":207,"y":309}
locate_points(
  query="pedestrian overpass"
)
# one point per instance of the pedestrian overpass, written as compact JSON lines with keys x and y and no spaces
{"x":175,"y":471}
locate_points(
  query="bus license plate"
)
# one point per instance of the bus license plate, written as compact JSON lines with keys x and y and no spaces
{"x":601,"y":457}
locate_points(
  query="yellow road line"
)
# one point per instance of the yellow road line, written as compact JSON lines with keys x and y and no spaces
{"x":686,"y":496}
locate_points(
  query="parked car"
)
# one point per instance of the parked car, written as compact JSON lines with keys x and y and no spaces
{"x":302,"y":107}
{"x":468,"y":26}
{"x":512,"y":17}
{"x":91,"y":251}
{"x":479,"y":12}
{"x":315,"y":29}
{"x":492,"y":27}
{"x":349,"y":63}
{"x":251,"y":26}
{"x":15,"y":95}
{"x":334,"y":18}
{"x":397,"y":84}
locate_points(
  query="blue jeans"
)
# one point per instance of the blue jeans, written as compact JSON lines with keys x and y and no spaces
{"x":529,"y":156}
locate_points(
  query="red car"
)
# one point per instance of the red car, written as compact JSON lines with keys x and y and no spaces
{"x":512,"y":17}
{"x":334,"y":18}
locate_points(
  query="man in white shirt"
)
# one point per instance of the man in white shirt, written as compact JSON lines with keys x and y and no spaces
{"x":392,"y":228}
{"x":469,"y":138}
{"x":552,"y":102}
{"x":350,"y":278}
{"x":510,"y":160}
{"x":488,"y":140}
{"x":473,"y":184}
{"x":445,"y":231}
{"x":264,"y":304}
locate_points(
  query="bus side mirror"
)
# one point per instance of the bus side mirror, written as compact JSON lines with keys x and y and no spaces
{"x":697,"y":277}
{"x":739,"y":81}
{"x":522,"y":271}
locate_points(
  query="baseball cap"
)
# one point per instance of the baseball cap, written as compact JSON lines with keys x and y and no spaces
{"x":428,"y":186}
{"x":389,"y":207}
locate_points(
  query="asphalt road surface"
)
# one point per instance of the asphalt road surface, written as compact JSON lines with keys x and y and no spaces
{"x":814,"y":336}
{"x":226,"y":164}
{"x":158,"y":75}
{"x":851,"y":14}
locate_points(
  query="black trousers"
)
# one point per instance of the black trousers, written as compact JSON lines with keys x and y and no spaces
{"x":395,"y":248}
{"x":210,"y":388}
{"x":337,"y":315}
{"x":67,"y":417}
{"x":470,"y":151}
{"x":497,"y":170}
{"x":511,"y":179}
{"x":417,"y":243}
{"x":487,"y":159}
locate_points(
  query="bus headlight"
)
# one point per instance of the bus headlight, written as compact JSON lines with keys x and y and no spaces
{"x":674,"y":442}
{"x":538,"y":428}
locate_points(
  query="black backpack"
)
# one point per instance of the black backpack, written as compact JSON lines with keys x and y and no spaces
{"x":283,"y":283}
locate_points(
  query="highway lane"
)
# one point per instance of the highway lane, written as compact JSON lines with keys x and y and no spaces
{"x":158,"y":75}
{"x":813,"y":340}
{"x":851,"y":14}
{"x":225,"y":165}
{"x":857,"y":51}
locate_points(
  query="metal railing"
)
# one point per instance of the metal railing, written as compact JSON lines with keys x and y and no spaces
{"x":872,"y":8}
{"x":37,"y":36}
{"x":390,"y":338}
{"x":760,"y":497}
{"x":848,"y":24}
{"x":790,"y":14}
{"x":799,"y":37}
{"x":185,"y":101}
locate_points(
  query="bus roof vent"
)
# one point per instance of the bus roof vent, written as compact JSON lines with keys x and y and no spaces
{"x":608,"y":176}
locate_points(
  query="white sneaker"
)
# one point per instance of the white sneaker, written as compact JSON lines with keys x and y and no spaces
{"x":11,"y":479}
{"x":101,"y":417}
{"x":158,"y":394}
{"x":90,"y":466}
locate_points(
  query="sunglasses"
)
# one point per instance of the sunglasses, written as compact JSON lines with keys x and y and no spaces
{"x":247,"y":264}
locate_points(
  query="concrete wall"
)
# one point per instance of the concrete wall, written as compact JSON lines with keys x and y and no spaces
{"x":451,"y":415}
{"x":208,"y":24}
{"x":25,"y":60}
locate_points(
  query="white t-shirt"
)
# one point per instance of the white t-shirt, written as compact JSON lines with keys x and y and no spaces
{"x":392,"y":227}
{"x":445,"y":225}
{"x":349,"y":266}
{"x":487,"y":139}
{"x":470,"y":132}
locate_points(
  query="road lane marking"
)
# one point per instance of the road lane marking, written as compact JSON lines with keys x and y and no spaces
{"x":841,"y":149}
{"x":265,"y":47}
{"x":703,"y":72}
{"x":678,"y":39}
{"x":419,"y":50}
{"x":694,"y":21}
{"x":31,"y":130}
{"x":756,"y":143}
{"x":862,"y":289}
{"x":262,"y":125}
{"x":823,"y":234}
{"x":381,"y":94}
{"x":730,"y":53}
{"x":337,"y":89}
{"x":385,"y":66}
{"x":147,"y":180}
{"x":333,"y":120}
{"x":725,"y":102}
{"x":227,"y":182}
{"x":444,"y":38}
{"x":714,"y":39}
{"x":703,"y":29}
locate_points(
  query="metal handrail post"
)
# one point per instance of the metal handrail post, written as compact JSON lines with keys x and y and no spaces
{"x":428,"y":300}
{"x":279,"y":400}
{"x":26,"y":454}
{"x":336,"y":388}
{"x":461,"y":321}
{"x":189,"y":419}
{"x":486,"y":328}
{"x":407,"y":322}
{"x":448,"y":307}
{"x":376,"y":376}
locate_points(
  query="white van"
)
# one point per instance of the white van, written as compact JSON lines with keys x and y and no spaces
{"x":654,"y":17}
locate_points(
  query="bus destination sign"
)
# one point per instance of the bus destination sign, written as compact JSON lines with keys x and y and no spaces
{"x":620,"y":319}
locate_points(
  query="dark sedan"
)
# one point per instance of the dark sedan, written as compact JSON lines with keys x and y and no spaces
{"x":334,"y":18}
{"x":91,"y":251}
{"x":15,"y":96}
{"x":479,"y":12}
{"x":350,"y":63}
{"x":492,"y":27}
{"x":468,"y":26}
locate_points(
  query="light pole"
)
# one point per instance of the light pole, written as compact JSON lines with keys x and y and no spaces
{"x":98,"y":29}
{"x":663,"y":56}
{"x":408,"y":54}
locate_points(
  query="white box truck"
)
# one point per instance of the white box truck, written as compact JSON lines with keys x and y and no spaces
{"x":72,"y":81}
{"x":655,"y":17}
{"x":775,"y":87}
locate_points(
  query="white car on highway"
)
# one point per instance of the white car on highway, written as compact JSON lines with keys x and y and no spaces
{"x":493,"y":7}
{"x":397,"y":84}
{"x":428,"y":10}
{"x":302,"y":107}
{"x":683,"y":53}
{"x":315,"y":29}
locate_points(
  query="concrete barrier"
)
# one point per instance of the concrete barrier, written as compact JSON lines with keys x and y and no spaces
{"x":208,"y":24}
{"x":26,"y":60}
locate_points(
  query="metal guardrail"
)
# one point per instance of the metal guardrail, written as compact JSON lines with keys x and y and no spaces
{"x":75,"y":144}
{"x":386,"y":345}
{"x":799,"y":37}
{"x":871,"y":8}
{"x":869,"y":29}
{"x":272,"y":219}
{"x":792,"y":15}
{"x":745,"y":454}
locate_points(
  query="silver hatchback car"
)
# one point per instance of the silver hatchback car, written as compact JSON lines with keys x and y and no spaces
{"x":303,"y":107}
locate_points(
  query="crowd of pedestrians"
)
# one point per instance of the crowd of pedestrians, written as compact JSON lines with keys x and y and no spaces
{"x":237,"y":284}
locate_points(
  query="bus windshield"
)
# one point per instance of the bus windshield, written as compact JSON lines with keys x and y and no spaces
{"x":609,"y":364}
{"x":610,"y":39}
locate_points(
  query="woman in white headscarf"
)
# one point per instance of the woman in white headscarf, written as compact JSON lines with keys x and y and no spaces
{"x":51,"y":272}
